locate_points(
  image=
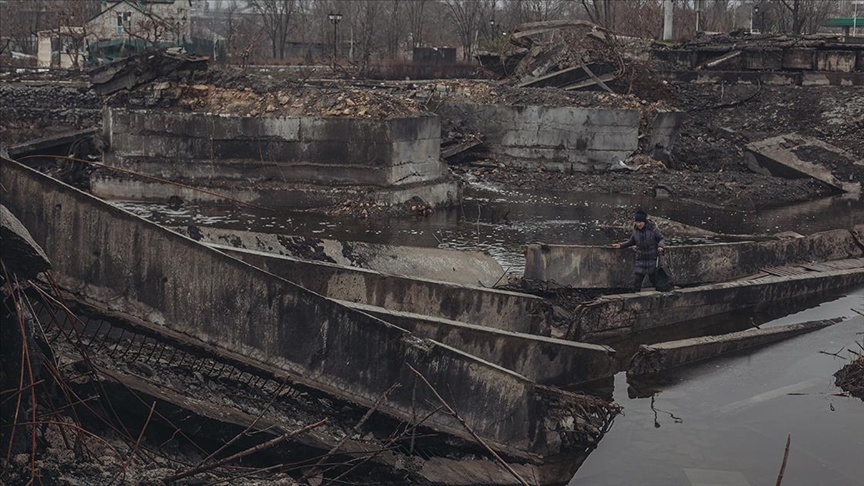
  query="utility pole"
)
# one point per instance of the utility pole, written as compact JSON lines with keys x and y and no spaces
{"x":668,"y":10}
{"x":334,"y":19}
{"x":855,"y":18}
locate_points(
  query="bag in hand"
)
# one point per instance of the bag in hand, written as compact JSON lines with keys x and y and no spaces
{"x":663,"y":278}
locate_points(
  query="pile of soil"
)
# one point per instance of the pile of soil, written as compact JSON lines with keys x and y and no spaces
{"x":850,"y":378}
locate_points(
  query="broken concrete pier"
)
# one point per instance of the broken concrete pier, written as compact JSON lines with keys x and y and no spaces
{"x":614,"y":316}
{"x":138,"y":268}
{"x":270,"y":160}
{"x":582,"y":266}
{"x":498,"y":309}
{"x":656,"y":358}
{"x":545,"y":360}
{"x":566,"y":138}
{"x":795,"y":156}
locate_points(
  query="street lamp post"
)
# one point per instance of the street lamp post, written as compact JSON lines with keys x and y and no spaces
{"x":334,"y":19}
{"x":492,"y":28}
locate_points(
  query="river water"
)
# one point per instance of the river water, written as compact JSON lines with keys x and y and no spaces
{"x":501,"y":221}
{"x":725,"y":421}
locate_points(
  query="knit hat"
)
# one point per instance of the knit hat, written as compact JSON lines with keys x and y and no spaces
{"x":641,"y":217}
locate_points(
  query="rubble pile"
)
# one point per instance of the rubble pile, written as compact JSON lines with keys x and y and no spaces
{"x":27,"y":110}
{"x":743,"y":40}
{"x":489,"y":93}
{"x":722,"y":119}
{"x":851,"y":377}
{"x":548,"y":48}
{"x":290,"y":99}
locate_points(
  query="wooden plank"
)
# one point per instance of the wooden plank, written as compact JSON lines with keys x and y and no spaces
{"x":590,"y":82}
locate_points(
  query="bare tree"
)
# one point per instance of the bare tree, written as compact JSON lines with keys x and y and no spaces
{"x":468,"y":16}
{"x":417,"y":19}
{"x":71,"y":17}
{"x":601,"y":12}
{"x":809,"y":14}
{"x":718,"y":16}
{"x":19,"y":23}
{"x":277,"y":16}
{"x":395,"y":12}
{"x":522,"y":11}
{"x":367,"y":41}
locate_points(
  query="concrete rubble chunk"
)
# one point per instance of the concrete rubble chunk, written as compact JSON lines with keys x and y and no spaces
{"x":614,"y":316}
{"x":795,"y":156}
{"x":138,"y":70}
{"x":656,"y":358}
{"x":18,"y":251}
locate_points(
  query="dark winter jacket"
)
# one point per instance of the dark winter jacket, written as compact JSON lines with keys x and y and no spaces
{"x":645,"y":242}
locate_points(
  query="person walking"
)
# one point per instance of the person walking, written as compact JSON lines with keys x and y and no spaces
{"x":649,"y":244}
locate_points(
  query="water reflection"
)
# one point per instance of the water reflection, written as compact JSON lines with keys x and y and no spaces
{"x":725,"y":420}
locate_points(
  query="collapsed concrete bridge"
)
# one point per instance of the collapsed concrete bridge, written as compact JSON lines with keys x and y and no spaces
{"x":139,"y":269}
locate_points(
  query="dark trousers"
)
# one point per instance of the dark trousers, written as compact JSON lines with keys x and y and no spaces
{"x":637,"y":281}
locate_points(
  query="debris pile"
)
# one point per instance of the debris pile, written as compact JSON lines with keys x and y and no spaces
{"x":577,"y":55}
{"x":850,"y":378}
{"x":565,"y":54}
{"x":489,"y":93}
{"x":138,"y":70}
{"x":721,"y":120}
{"x":741,"y":40}
{"x":291,"y":99}
{"x":28,"y":111}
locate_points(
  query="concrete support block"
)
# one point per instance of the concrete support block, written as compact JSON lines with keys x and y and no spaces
{"x":799,"y":59}
{"x":555,"y":137}
{"x":657,"y":358}
{"x":201,"y":149}
{"x":662,"y":130}
{"x":762,"y":59}
{"x":839,"y":61}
